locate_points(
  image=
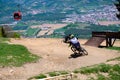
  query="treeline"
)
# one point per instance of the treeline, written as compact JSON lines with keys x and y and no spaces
{"x":45,"y":17}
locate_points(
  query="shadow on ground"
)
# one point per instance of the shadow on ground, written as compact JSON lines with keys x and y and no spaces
{"x":75,"y":55}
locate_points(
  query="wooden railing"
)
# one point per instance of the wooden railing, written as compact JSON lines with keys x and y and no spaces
{"x":106,"y":34}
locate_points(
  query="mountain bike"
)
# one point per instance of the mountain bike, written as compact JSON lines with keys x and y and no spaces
{"x":78,"y":50}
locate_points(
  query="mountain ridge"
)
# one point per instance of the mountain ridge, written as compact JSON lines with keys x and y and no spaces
{"x":46,"y":10}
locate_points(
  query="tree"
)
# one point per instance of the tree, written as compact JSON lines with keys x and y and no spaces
{"x":117,"y":4}
{"x":2,"y":32}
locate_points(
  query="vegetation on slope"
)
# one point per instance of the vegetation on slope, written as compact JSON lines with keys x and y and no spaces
{"x":14,"y":55}
{"x":83,"y":30}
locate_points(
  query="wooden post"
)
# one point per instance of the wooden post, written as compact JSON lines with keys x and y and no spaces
{"x":110,"y":42}
{"x":106,"y":41}
{"x":113,"y":41}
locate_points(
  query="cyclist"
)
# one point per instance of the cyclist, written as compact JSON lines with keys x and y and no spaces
{"x":74,"y":41}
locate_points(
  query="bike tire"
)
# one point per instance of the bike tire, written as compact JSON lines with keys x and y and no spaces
{"x":84,"y":51}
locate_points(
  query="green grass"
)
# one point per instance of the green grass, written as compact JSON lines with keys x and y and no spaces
{"x":117,"y":58}
{"x":40,"y":76}
{"x":4,"y":39}
{"x":31,"y":31}
{"x":112,"y":71}
{"x":93,"y":69}
{"x":52,"y":74}
{"x":15,"y":55}
{"x":63,"y":72}
{"x":101,"y":77}
{"x":114,"y":48}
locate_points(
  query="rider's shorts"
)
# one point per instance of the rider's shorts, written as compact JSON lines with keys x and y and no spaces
{"x":77,"y":45}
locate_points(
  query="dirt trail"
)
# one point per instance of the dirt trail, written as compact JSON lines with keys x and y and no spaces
{"x":55,"y":56}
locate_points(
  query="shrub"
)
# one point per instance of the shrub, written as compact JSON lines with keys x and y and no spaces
{"x":16,"y":35}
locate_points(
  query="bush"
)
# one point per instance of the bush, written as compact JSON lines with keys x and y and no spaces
{"x":16,"y":35}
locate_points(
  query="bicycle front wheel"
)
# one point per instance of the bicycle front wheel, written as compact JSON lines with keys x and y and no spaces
{"x":84,"y":51}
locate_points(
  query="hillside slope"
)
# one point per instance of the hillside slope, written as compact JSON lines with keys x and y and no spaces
{"x":55,"y":57}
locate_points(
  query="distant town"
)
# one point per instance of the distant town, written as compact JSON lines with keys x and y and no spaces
{"x":108,"y":13}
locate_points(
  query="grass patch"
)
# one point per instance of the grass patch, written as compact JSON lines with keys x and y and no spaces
{"x":57,"y":73}
{"x":63,"y":72}
{"x":52,"y":74}
{"x":114,"y":48}
{"x":86,"y":70}
{"x":89,"y":70}
{"x":40,"y":76}
{"x":4,"y":39}
{"x":116,"y":68}
{"x":104,"y":68}
{"x":117,"y":58}
{"x":112,"y":71}
{"x":93,"y":69}
{"x":100,"y":72}
{"x":15,"y":55}
{"x":101,"y":77}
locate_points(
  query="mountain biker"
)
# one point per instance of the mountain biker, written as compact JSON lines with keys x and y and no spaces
{"x":75,"y":45}
{"x":74,"y":42}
